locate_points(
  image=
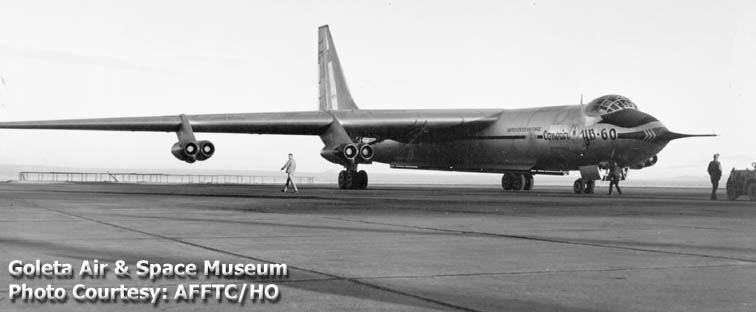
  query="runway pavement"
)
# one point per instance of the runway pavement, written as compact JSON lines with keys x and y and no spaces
{"x":401,"y":248}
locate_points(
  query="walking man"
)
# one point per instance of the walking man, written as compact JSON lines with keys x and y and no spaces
{"x":715,"y":173}
{"x":290,"y":167}
{"x":615,"y":175}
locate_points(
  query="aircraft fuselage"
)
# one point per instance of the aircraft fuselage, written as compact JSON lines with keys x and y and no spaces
{"x":557,"y":138}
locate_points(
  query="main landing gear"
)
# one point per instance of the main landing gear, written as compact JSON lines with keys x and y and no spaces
{"x":584,"y":186}
{"x":517,"y":182}
{"x":353,"y":179}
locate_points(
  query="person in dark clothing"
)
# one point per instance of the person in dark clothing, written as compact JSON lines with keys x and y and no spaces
{"x":715,"y":173}
{"x":615,"y":174}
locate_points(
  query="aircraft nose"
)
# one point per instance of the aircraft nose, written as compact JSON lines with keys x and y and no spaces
{"x":667,"y":135}
{"x":657,"y":133}
{"x":642,"y":127}
{"x":651,"y":134}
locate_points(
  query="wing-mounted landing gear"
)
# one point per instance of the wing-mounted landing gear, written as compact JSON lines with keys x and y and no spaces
{"x":348,"y":152}
{"x":354,"y":154}
{"x":353,"y":179}
{"x":511,"y":181}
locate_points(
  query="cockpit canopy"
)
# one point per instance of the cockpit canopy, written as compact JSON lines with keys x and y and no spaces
{"x":618,"y":110}
{"x":608,"y":104}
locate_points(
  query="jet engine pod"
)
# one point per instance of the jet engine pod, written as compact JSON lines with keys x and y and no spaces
{"x":350,"y":151}
{"x":206,"y":150}
{"x":366,"y":152}
{"x":186,"y":151}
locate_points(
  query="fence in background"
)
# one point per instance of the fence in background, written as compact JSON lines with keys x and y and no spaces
{"x":154,"y":178}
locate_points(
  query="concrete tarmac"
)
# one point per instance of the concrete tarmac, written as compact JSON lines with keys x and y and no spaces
{"x":399,"y":248}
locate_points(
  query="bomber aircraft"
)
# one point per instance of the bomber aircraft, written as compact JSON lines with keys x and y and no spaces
{"x":518,"y":143}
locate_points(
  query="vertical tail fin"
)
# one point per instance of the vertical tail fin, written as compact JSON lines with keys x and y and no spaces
{"x":333,"y":90}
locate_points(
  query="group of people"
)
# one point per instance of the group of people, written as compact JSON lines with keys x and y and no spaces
{"x":614,"y":176}
{"x":714,"y":169}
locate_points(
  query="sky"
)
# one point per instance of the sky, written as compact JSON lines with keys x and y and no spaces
{"x":691,"y":64}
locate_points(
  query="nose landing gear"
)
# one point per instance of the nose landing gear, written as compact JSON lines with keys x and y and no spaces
{"x":584,"y":186}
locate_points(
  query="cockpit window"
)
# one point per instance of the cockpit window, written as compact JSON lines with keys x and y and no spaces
{"x":608,"y":104}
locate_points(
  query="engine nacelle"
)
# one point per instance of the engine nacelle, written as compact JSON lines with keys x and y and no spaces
{"x":350,"y":151}
{"x":367,"y":152}
{"x":206,"y":150}
{"x":185,"y":151}
{"x":647,"y":163}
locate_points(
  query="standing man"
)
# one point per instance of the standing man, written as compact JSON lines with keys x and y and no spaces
{"x":615,"y":175}
{"x":715,"y":172}
{"x":290,"y":167}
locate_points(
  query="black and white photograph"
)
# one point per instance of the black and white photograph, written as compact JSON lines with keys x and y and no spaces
{"x":480,"y":155}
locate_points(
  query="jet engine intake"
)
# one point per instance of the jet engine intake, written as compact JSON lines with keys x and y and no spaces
{"x":350,"y":151}
{"x":366,"y":152}
{"x":206,"y":150}
{"x":185,"y":151}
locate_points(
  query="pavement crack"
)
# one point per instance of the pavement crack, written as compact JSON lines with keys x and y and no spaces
{"x":547,"y":272}
{"x":546,"y":239}
{"x":313,"y":271}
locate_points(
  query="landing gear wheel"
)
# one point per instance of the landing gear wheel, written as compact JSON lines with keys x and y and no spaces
{"x":342,"y":179}
{"x":518,"y":182}
{"x":578,"y":186}
{"x":732,"y":192}
{"x":506,"y":181}
{"x":362,"y":180}
{"x":590,"y":186}
{"x":349,"y":179}
{"x":529,"y":181}
{"x":751,"y":191}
